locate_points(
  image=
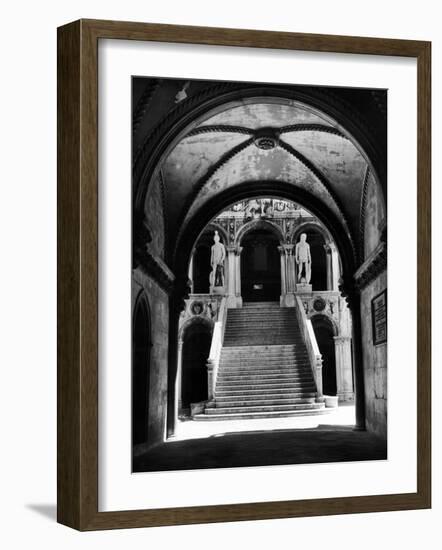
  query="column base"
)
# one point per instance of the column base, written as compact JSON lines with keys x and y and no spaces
{"x":287,"y":300}
{"x":347,"y":397}
{"x":217,"y":290}
{"x":303,"y":288}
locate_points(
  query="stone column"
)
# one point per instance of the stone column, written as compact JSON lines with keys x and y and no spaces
{"x":283,"y":270}
{"x":290,"y":265}
{"x":238,"y":276}
{"x":334,"y":267}
{"x":328,"y":261}
{"x":344,"y":370}
{"x":190,"y":272}
{"x":231,"y":275}
{"x":178,"y":385}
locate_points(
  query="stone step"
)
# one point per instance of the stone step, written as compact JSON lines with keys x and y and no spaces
{"x":258,"y":371}
{"x":267,"y":408}
{"x":267,"y":323}
{"x":307,"y":397}
{"x":263,"y":363}
{"x":246,"y":342}
{"x":281,"y":388}
{"x":266,"y":347}
{"x":262,"y":318}
{"x":267,"y":386}
{"x":256,"y":415}
{"x":234,"y":377}
{"x":270,"y":351}
{"x":274,"y":327}
{"x":268,"y":359}
{"x":240,"y":403}
{"x":261,"y":304}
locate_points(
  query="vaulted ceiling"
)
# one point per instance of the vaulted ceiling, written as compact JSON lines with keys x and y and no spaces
{"x":266,"y":139}
{"x":258,"y":138}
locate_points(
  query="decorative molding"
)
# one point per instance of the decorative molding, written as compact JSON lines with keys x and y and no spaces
{"x":163,"y":193}
{"x":375,"y":264}
{"x":206,"y":177}
{"x":325,"y":183}
{"x":157,"y":269}
{"x":143,"y":155}
{"x":362,"y":214}
{"x":212,"y":128}
{"x":311,"y":128}
{"x":143,"y":103}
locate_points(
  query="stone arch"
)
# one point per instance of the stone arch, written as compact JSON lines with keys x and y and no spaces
{"x":195,"y":320}
{"x":325,"y":331}
{"x":224,"y":96}
{"x":321,"y":277}
{"x":305,"y":226}
{"x":245,"y":191}
{"x":194,"y":349}
{"x":328,"y":319}
{"x":259,"y":224}
{"x":212,"y":226}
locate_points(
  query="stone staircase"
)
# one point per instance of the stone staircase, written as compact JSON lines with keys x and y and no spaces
{"x":264,"y":371}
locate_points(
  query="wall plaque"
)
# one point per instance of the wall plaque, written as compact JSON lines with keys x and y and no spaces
{"x":379,"y":318}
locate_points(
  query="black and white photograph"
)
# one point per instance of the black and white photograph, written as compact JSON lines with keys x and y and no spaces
{"x":259,"y":274}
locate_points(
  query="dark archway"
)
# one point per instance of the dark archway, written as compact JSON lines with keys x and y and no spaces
{"x":201,"y":264}
{"x":324,"y":332}
{"x":319,"y":260}
{"x":260,"y":266}
{"x":141,"y":346}
{"x":196,"y":348}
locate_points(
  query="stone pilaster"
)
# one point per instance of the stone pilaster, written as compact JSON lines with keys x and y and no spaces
{"x":190,"y":272}
{"x":178,"y":386}
{"x":335,"y":266}
{"x":288,"y":275}
{"x":344,"y":371}
{"x":283,"y":270}
{"x":238,"y":276}
{"x":231,"y":275}
{"x":329,"y":268}
{"x":290,"y":267}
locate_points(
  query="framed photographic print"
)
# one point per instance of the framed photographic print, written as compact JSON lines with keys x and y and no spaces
{"x":224,"y":202}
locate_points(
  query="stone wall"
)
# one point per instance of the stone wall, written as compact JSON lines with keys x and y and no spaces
{"x":154,"y":217}
{"x":374,"y":216}
{"x":159,"y":309}
{"x":375,"y":363}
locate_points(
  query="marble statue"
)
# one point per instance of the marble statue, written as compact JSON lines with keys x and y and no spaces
{"x":217,"y":262}
{"x":303,"y":259}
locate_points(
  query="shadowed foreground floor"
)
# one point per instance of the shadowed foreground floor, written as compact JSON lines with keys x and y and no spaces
{"x":323,"y":444}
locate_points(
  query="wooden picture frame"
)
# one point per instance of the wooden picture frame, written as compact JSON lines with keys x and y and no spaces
{"x":78,"y":274}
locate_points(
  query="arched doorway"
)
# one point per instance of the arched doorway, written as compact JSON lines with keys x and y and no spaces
{"x":260,"y":266}
{"x":141,"y":347}
{"x":195,"y":352}
{"x":324,"y":332}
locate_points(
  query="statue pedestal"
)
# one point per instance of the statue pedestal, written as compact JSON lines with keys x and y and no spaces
{"x":287,"y":300}
{"x":217,"y":290}
{"x":303,"y":288}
